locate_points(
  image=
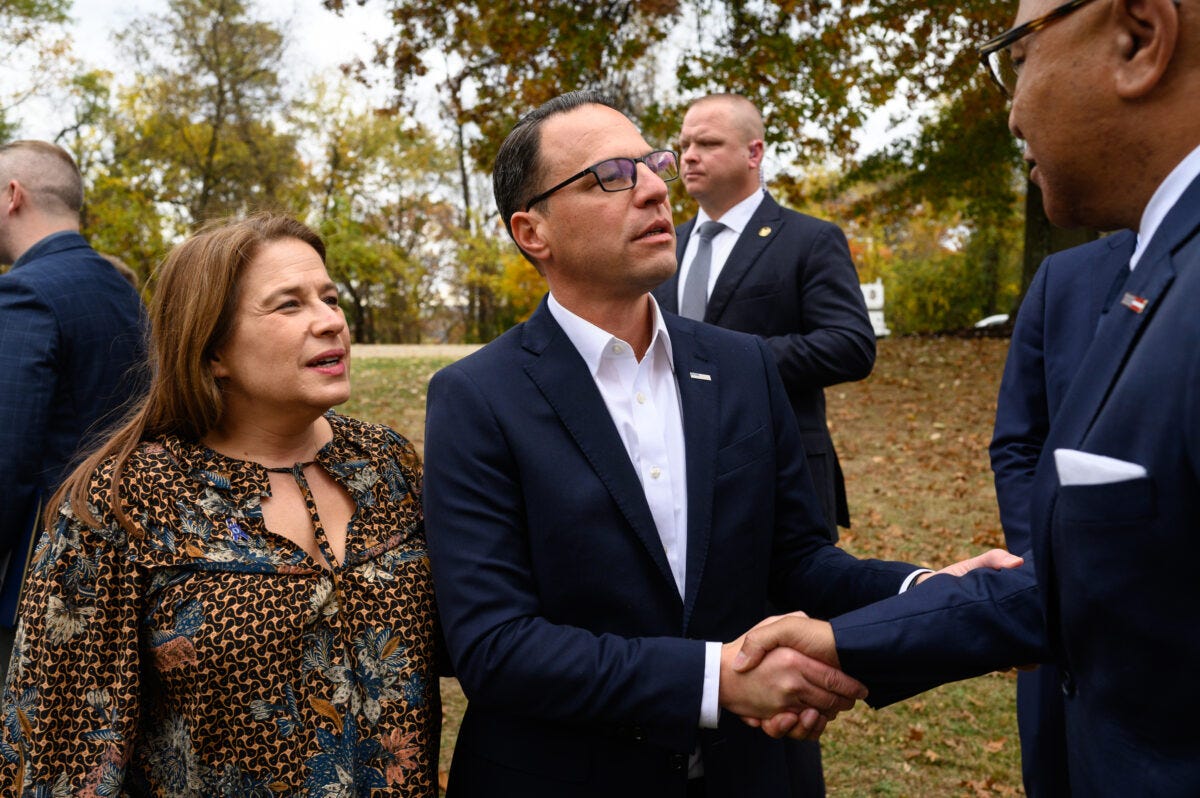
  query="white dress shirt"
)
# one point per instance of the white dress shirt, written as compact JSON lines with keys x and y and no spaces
{"x":1163,"y":200}
{"x":643,"y":400}
{"x":735,"y":220}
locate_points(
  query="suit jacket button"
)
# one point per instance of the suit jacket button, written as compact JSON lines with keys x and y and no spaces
{"x":678,"y":762}
{"x":638,"y":734}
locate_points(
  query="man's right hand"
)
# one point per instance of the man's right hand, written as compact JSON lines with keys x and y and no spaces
{"x":764,"y":678}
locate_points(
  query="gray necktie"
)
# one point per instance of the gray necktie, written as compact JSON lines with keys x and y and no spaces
{"x":695,"y":288}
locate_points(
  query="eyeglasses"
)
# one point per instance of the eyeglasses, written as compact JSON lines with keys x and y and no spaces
{"x":620,"y":174}
{"x":996,"y":54}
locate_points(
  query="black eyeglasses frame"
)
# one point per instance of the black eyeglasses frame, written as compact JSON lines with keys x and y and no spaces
{"x":990,"y":50}
{"x":593,"y":170}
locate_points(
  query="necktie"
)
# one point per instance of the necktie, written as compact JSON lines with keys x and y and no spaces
{"x":695,"y":288}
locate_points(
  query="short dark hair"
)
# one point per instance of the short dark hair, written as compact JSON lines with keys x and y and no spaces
{"x":518,"y":167}
{"x":47,"y":171}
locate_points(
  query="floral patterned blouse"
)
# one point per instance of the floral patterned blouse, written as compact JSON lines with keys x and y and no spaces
{"x":205,"y":656}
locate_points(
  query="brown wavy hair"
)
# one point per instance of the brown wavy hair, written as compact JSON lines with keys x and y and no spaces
{"x":191,"y":316}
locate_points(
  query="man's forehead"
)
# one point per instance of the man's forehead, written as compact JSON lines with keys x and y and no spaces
{"x":1032,"y":9}
{"x":709,"y":112}
{"x":589,"y":134}
{"x":719,"y":116}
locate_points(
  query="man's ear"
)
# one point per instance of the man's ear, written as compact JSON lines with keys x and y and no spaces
{"x":756,"y":153}
{"x":527,"y":231}
{"x":13,"y":196}
{"x":1147,"y":36}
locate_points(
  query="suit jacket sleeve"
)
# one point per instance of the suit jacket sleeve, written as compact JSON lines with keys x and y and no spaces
{"x":835,"y":342}
{"x":28,"y":353}
{"x":941,"y":631}
{"x":510,"y":655}
{"x":1022,"y":416}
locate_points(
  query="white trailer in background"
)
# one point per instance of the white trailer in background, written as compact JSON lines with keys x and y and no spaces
{"x":873,"y":294}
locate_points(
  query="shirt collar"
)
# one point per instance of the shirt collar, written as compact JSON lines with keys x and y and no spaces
{"x":55,"y":242}
{"x":737,"y":217}
{"x":1163,"y":200}
{"x":592,"y":342}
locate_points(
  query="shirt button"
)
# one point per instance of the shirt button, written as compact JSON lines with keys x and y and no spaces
{"x":655,"y":472}
{"x":617,"y":349}
{"x":641,"y":398}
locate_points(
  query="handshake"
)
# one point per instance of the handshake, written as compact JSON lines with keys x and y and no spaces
{"x":783,"y":675}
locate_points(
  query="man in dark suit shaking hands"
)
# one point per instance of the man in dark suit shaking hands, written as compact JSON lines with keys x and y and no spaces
{"x":71,"y":328}
{"x":747,"y":264}
{"x":610,"y":493}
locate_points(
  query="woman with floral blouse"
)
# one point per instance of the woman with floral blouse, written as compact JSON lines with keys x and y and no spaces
{"x":233,"y":597}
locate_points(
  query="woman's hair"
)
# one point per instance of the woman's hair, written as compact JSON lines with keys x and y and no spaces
{"x":191,"y":316}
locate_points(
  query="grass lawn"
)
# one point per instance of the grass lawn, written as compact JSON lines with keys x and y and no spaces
{"x":913,"y":444}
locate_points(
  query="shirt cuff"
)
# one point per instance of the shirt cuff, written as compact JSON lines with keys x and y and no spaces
{"x":710,"y":708}
{"x":913,"y":578}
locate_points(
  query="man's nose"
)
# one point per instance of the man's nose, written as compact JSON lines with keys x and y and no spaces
{"x":650,"y":187}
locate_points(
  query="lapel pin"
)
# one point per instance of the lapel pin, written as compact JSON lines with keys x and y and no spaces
{"x":763,"y":232}
{"x":696,"y":375}
{"x":1134,"y":302}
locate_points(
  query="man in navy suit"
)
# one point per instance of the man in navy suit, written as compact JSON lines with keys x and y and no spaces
{"x":71,"y":331}
{"x":1070,"y":293}
{"x":1102,"y":99}
{"x":610,"y":493}
{"x":773,"y":272}
{"x":784,"y":276}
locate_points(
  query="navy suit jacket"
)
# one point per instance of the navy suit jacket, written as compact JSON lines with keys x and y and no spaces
{"x":1066,"y":299}
{"x":790,"y":280}
{"x":1055,"y":326}
{"x":71,"y":330}
{"x":1116,"y":589}
{"x":582,"y":662}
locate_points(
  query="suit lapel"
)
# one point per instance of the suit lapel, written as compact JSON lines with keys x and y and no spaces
{"x":667,"y":294}
{"x":745,"y":252}
{"x":1104,"y":275}
{"x":698,"y":403}
{"x":563,"y":378}
{"x":1121,"y":327}
{"x":683,"y":234}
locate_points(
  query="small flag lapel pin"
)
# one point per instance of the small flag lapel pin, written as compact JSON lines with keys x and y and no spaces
{"x":1134,"y":302}
{"x":697,"y":375}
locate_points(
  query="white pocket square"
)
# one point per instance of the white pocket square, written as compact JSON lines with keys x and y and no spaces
{"x":1084,"y":468}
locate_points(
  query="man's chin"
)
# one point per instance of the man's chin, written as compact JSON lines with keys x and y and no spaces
{"x":660,"y":275}
{"x":655,"y":273}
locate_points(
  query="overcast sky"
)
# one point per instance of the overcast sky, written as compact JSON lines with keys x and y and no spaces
{"x":319,"y":41}
{"x":318,"y":38}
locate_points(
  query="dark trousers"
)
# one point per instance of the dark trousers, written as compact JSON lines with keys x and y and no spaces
{"x":804,"y":768}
